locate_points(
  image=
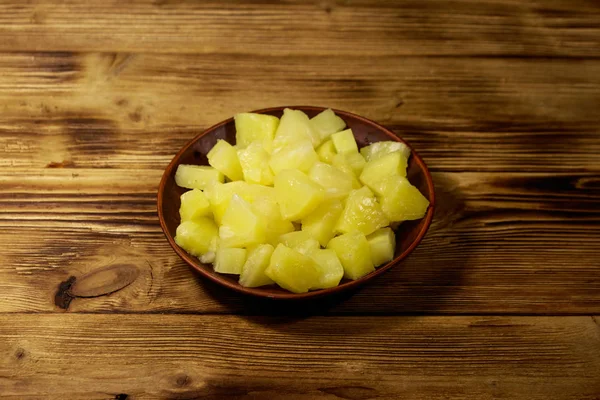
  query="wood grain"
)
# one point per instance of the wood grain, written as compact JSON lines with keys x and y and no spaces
{"x":214,"y":357}
{"x":500,"y":242}
{"x":84,"y":139}
{"x":328,"y":28}
{"x":499,"y":97}
{"x":116,"y":110}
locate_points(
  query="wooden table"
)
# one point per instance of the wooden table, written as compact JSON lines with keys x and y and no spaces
{"x":500,"y":301}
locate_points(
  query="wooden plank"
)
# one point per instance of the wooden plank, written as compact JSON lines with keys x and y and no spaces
{"x":327,"y":28}
{"x":500,"y":243}
{"x":228,"y":357}
{"x":135,"y":111}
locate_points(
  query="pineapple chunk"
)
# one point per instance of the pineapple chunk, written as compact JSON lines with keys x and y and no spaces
{"x":320,"y":223}
{"x":293,"y":126}
{"x":336,"y":183}
{"x":362,"y":213}
{"x":330,"y":268}
{"x":252,"y":191}
{"x":197,"y":237}
{"x":268,"y":210}
{"x":219,"y":196}
{"x":297,"y":155}
{"x":387,"y":165}
{"x":344,"y":142}
{"x":296,"y":194}
{"x":326,"y":123}
{"x":194,"y":204}
{"x":300,"y":241}
{"x":401,"y":201}
{"x":354,"y":253}
{"x":254,"y":163}
{"x":345,"y":168}
{"x":292,"y":270}
{"x":294,"y":239}
{"x":197,"y":176}
{"x":355,"y":161}
{"x":326,"y":152}
{"x":230,"y":260}
{"x":383,"y":167}
{"x":307,"y":246}
{"x":378,"y":149}
{"x":240,"y":227}
{"x":382,"y":244}
{"x":223,"y":157}
{"x":253,"y":272}
{"x":252,"y":127}
{"x":341,"y":163}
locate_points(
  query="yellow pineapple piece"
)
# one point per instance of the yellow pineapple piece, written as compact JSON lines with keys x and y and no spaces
{"x":293,"y":239}
{"x":382,"y":243}
{"x":219,"y":196}
{"x":267,"y":208}
{"x":330,"y":268}
{"x":354,"y":253}
{"x":194,"y":204}
{"x":341,"y":162}
{"x":255,"y":128}
{"x":326,"y":152}
{"x":230,"y":260}
{"x":307,"y":247}
{"x":293,"y":270}
{"x":336,"y":183}
{"x":254,"y":161}
{"x":401,"y":201}
{"x":320,"y":223}
{"x":197,"y":237}
{"x":252,"y":191}
{"x":355,"y":161}
{"x":362,"y":213}
{"x":294,"y":126}
{"x":297,"y":155}
{"x":197,"y":176}
{"x":344,"y":142}
{"x":378,"y":149}
{"x":296,"y":194}
{"x":253,"y":271}
{"x":327,"y":123}
{"x":223,"y":157}
{"x":383,"y":167}
{"x":240,"y":227}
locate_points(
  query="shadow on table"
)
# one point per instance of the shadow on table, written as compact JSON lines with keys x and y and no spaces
{"x":248,"y":306}
{"x":423,"y":284}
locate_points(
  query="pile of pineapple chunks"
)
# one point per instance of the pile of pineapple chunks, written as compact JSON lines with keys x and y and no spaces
{"x":294,"y":202}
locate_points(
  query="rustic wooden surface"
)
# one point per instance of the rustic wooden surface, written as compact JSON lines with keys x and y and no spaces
{"x":500,"y":301}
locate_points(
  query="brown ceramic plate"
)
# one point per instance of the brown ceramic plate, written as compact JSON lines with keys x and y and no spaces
{"x":408,"y":234}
